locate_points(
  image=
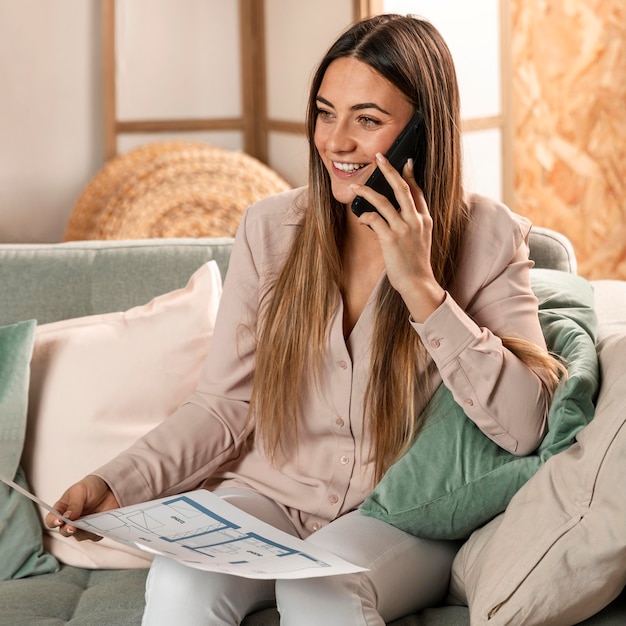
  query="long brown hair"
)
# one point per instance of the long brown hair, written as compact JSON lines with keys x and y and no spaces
{"x":412,"y":55}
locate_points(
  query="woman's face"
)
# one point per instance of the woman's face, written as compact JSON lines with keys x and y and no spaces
{"x":359,"y":113}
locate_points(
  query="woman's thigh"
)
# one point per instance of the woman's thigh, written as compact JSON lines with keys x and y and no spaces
{"x":178,"y":594}
{"x":405,"y":573}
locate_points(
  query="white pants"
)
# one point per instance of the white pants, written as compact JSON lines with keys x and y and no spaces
{"x":405,"y":574}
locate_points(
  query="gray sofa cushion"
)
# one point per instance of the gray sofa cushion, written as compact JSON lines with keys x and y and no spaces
{"x":552,"y":250}
{"x":75,"y":596}
{"x":81,"y":597}
{"x":85,"y":277}
{"x":51,"y":282}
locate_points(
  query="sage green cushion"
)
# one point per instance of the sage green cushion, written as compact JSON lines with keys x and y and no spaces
{"x":21,"y":548}
{"x":57,"y":281}
{"x":453,"y":478}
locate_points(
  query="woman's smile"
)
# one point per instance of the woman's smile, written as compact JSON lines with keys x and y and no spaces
{"x":348,"y":168}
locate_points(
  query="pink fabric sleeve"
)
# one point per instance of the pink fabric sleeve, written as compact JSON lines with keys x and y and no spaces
{"x":498,"y":392}
{"x":210,"y":427}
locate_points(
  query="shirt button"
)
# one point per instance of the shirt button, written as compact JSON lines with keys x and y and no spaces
{"x":317,"y":526}
{"x":343,"y":365}
{"x":435,"y":343}
{"x":469,"y":402}
{"x":344,"y":460}
{"x":339,"y":422}
{"x":333,"y":499}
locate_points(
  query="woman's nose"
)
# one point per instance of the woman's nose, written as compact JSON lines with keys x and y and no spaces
{"x":340,"y":138}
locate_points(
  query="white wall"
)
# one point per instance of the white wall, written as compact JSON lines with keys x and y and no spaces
{"x":178,"y":59}
{"x":51,"y":136}
{"x":50,"y":133}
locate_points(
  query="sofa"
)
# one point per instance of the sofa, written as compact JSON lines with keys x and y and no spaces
{"x":113,"y":285}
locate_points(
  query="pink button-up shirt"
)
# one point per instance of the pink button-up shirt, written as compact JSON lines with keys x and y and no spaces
{"x":206,"y":442}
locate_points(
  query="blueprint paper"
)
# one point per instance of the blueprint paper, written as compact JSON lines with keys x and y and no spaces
{"x":203,"y":531}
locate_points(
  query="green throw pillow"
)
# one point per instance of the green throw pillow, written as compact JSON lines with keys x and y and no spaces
{"x":454,"y":479}
{"x":21,"y":544}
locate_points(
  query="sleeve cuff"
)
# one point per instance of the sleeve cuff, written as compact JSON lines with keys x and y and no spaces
{"x":447,"y":331}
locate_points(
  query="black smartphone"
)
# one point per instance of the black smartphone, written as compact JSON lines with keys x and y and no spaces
{"x":411,"y":143}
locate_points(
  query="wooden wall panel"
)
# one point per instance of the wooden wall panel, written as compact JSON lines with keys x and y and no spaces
{"x":569,"y":149}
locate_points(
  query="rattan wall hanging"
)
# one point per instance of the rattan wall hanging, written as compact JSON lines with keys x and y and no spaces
{"x":171,"y":189}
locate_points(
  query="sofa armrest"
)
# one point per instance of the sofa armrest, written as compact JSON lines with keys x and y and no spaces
{"x":550,"y":249}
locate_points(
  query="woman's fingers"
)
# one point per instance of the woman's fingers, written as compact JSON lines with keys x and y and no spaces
{"x":417,"y":193}
{"x":67,"y":530}
{"x":90,"y":495}
{"x":402,"y":188}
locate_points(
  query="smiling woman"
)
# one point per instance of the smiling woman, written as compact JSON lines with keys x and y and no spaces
{"x":334,"y":332}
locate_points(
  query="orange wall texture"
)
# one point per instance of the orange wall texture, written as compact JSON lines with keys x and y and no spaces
{"x":569,"y":100}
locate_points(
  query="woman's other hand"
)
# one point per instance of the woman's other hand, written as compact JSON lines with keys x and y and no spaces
{"x":90,"y":495}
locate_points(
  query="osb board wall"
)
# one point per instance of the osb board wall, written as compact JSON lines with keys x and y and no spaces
{"x":569,"y":96}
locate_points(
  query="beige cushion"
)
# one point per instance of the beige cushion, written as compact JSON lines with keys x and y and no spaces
{"x":557,"y":555}
{"x":100,"y":382}
{"x":610,"y":306}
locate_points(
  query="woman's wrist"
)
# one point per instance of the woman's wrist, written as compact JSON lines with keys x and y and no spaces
{"x":422,"y":302}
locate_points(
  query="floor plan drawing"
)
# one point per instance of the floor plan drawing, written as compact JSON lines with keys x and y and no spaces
{"x":184,"y":528}
{"x":202,"y":530}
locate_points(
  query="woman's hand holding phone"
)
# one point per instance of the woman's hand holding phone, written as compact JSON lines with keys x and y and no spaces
{"x":405,"y":238}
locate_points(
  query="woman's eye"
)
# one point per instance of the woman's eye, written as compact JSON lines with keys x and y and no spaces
{"x":368,"y":122}
{"x":324,"y":115}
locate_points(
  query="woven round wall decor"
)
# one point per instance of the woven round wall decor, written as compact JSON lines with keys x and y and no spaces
{"x":171,"y":189}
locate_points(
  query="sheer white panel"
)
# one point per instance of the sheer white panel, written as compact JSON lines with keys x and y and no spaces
{"x":289,"y":155}
{"x":472,"y":32}
{"x":297,"y":35}
{"x":482,"y":154}
{"x":178,"y":59}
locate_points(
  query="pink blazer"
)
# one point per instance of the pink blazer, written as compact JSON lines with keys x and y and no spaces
{"x":206,"y":441}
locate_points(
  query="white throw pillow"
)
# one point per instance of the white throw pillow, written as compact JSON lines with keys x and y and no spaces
{"x":557,"y":555}
{"x":100,"y":382}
